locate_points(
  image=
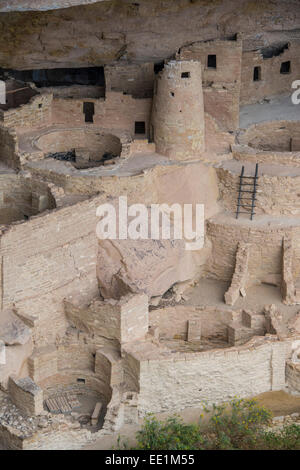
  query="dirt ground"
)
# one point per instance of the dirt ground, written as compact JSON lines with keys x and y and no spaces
{"x":280,"y":403}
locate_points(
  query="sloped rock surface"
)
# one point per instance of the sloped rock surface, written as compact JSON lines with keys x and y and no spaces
{"x":12,"y":330}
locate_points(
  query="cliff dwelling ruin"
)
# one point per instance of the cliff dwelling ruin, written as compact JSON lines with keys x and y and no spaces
{"x":164,"y":105}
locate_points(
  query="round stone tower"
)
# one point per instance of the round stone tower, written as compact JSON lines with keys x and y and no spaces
{"x":177,"y":124}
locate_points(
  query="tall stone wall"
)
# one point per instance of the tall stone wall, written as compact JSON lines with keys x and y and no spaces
{"x":177,"y":124}
{"x":47,"y":258}
{"x":271,"y":82}
{"x":117,"y":111}
{"x":132,"y":79}
{"x":221,"y":84}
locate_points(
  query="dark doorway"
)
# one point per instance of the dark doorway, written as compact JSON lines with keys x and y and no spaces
{"x":212,"y":61}
{"x":61,"y":77}
{"x":285,"y":67}
{"x":256,"y":74}
{"x":89,"y":111}
{"x":140,"y":127}
{"x":158,"y":67}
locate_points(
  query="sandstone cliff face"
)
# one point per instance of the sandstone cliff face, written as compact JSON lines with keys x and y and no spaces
{"x":99,"y":33}
{"x":24,"y":5}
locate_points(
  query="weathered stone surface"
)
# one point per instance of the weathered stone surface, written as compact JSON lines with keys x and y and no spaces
{"x":99,"y":33}
{"x":12,"y":330}
{"x":40,"y":5}
{"x":149,"y":266}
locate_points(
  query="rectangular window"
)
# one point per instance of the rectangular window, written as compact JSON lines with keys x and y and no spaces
{"x":285,"y":67}
{"x":185,"y":75}
{"x":140,"y":127}
{"x":212,"y":61}
{"x":89,"y":111}
{"x":81,"y":381}
{"x":256,"y":74}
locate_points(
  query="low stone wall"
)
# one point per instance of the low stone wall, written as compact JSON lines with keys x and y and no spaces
{"x":243,"y":152}
{"x":36,"y":113}
{"x":293,"y":375}
{"x":8,"y":147}
{"x":276,"y":195}
{"x":26,"y":395}
{"x":265,"y":263}
{"x":177,"y":381}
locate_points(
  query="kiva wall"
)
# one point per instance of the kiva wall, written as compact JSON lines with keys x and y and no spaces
{"x":216,"y":376}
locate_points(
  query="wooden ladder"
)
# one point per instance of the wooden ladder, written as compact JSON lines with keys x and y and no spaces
{"x":250,"y":194}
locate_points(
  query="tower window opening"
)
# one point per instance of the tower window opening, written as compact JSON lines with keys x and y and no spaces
{"x":140,"y":127}
{"x":185,"y":75}
{"x":285,"y":67}
{"x":256,"y":74}
{"x":212,"y":61}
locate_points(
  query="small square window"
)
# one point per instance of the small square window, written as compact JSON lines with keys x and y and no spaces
{"x":212,"y":61}
{"x":285,"y":67}
{"x":256,"y":74}
{"x":81,"y":381}
{"x":140,"y":127}
{"x":172,"y":93}
{"x":40,"y":105}
{"x":185,"y":75}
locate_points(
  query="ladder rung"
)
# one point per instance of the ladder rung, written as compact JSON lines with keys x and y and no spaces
{"x":246,"y":205}
{"x":246,"y":191}
{"x":241,"y":212}
{"x":249,"y":184}
{"x":252,"y":177}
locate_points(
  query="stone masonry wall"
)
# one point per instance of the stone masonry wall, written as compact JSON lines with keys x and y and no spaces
{"x":216,"y":376}
{"x":240,"y":275}
{"x":26,"y":395}
{"x":271,"y":82}
{"x":36,"y":113}
{"x":47,"y":258}
{"x":221,"y":85}
{"x":117,"y":111}
{"x":265,"y":263}
{"x":8,"y":147}
{"x":177,"y":123}
{"x":276,"y":195}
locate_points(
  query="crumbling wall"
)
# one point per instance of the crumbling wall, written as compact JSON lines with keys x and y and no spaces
{"x":271,"y":82}
{"x":245,"y":153}
{"x":131,"y":79}
{"x":36,"y":113}
{"x":26,"y":395}
{"x":288,"y":283}
{"x":48,"y":271}
{"x":8,"y":147}
{"x":265,"y":263}
{"x":240,"y":275}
